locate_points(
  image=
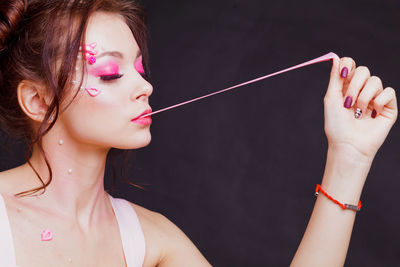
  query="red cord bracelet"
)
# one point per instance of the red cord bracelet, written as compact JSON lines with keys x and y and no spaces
{"x":344,"y":206}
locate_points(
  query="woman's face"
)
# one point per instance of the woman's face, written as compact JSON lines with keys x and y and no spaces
{"x":113,"y":91}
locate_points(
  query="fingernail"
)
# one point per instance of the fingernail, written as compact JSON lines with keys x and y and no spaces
{"x":358,"y":113}
{"x":348,"y":101}
{"x":373,"y":114}
{"x":344,"y":72}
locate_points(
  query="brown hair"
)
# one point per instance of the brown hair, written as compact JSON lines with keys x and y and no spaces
{"x":30,"y":47}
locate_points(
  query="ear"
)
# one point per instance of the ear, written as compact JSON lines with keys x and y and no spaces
{"x":33,"y":100}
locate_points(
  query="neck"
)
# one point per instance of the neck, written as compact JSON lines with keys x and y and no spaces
{"x":77,"y":183}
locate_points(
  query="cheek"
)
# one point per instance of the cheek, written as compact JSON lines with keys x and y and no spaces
{"x":99,"y":117}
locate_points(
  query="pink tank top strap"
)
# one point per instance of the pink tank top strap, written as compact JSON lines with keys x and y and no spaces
{"x":131,"y":232}
{"x":7,"y":253}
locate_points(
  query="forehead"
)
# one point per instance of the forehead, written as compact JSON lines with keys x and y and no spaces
{"x":111,"y":33}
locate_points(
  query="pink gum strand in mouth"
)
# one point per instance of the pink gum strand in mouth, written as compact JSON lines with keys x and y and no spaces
{"x":323,"y":58}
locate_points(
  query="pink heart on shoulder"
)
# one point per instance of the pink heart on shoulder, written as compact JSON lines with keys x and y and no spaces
{"x":47,"y":235}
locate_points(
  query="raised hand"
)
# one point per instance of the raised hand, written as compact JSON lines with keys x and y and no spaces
{"x":358,"y":116}
{"x":351,"y":88}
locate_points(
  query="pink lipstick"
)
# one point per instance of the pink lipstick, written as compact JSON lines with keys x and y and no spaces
{"x":144,"y":121}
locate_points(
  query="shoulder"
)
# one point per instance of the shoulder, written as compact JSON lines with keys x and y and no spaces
{"x":7,"y":184}
{"x":14,"y":180}
{"x":160,"y":233}
{"x":156,"y":221}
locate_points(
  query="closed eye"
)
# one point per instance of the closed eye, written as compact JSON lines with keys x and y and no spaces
{"x":111,"y":77}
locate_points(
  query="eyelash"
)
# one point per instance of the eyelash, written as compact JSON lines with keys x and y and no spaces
{"x":144,"y":75}
{"x":111,"y":77}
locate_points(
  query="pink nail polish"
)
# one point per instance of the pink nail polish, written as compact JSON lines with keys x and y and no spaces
{"x":344,"y":72}
{"x":348,"y":101}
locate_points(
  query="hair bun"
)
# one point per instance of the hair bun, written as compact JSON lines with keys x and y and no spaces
{"x":11,"y":14}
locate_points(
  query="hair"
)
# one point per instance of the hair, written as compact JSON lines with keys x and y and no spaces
{"x":31,"y":49}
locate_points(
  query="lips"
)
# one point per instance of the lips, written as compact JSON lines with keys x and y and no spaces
{"x":147,"y":111}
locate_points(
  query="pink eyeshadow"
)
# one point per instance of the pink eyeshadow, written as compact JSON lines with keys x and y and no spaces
{"x":139,"y":65}
{"x":109,"y":68}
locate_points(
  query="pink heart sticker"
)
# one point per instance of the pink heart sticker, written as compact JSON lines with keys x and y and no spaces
{"x":47,"y":235}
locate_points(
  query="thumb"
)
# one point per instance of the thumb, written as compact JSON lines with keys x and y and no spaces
{"x":336,"y":81}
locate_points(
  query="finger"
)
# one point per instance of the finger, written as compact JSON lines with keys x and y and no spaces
{"x":335,"y":82}
{"x":372,"y":88}
{"x":360,"y":77}
{"x":347,"y":67}
{"x":387,"y":98}
{"x":341,"y":71}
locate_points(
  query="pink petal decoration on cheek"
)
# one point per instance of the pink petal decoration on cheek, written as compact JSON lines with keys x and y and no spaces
{"x":91,"y":46}
{"x":93,"y":91}
{"x":139,"y":65}
{"x":92,"y":60}
{"x":47,"y":235}
{"x":90,"y":52}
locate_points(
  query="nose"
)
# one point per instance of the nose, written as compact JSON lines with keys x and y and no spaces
{"x":143,"y":91}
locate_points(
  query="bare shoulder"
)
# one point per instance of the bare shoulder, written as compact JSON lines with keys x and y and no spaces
{"x":165,"y":242}
{"x":156,"y":222}
{"x":7,"y":178}
{"x":3,"y":183}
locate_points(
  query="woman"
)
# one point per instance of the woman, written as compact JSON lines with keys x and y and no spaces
{"x":74,"y":86}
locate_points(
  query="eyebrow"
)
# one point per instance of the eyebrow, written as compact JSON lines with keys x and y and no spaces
{"x":117,"y":54}
{"x":111,"y":53}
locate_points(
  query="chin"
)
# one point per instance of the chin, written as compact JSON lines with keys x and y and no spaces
{"x":138,"y":141}
{"x":145,"y":142}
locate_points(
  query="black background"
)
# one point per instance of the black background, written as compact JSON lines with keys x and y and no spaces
{"x":237,"y":172}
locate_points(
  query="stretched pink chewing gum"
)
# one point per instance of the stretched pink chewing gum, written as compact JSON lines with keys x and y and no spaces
{"x":325,"y":57}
